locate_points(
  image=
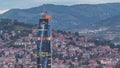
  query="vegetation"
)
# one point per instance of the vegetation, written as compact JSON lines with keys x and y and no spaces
{"x":7,"y":24}
{"x":19,"y":28}
{"x":117,"y":66}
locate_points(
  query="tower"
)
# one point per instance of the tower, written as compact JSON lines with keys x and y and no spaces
{"x":44,"y":41}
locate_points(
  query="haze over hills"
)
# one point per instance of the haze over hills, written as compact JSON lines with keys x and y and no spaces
{"x":74,"y":17}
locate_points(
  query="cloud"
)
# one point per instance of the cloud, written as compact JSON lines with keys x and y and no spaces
{"x":69,"y":2}
{"x":3,"y":11}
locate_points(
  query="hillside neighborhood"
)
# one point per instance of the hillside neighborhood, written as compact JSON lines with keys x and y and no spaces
{"x":69,"y":50}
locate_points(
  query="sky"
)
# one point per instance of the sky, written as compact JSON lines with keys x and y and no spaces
{"x":5,"y":5}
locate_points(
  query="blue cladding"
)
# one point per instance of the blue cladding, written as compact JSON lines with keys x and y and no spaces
{"x":43,"y":45}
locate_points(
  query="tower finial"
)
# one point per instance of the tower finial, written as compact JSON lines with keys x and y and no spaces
{"x":43,"y":8}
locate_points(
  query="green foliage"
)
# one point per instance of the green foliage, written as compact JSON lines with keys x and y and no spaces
{"x":72,"y":43}
{"x":99,"y":67}
{"x":98,"y":62}
{"x":76,"y":34}
{"x":7,"y":24}
{"x":117,"y":66}
{"x":102,"y":42}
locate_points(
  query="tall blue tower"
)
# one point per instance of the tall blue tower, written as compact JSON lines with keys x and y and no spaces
{"x":44,"y":42}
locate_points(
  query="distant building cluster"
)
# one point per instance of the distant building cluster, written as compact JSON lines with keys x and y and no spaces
{"x":69,"y":50}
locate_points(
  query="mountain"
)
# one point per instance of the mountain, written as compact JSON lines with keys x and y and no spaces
{"x":71,"y":18}
{"x":112,"y":23}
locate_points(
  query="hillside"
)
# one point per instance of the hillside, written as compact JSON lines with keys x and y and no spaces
{"x":65,"y":46}
{"x":10,"y":25}
{"x":71,"y":18}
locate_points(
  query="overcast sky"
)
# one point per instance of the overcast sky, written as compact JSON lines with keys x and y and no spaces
{"x":8,"y":4}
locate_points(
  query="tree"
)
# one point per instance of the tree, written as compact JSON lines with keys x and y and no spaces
{"x":117,"y":66}
{"x":76,"y":34}
{"x":99,"y":67}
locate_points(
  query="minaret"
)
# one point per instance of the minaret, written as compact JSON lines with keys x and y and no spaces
{"x":44,"y":42}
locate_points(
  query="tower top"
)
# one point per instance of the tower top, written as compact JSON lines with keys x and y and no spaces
{"x":44,"y":15}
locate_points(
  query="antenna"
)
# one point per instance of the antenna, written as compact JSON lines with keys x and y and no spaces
{"x":43,"y":8}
